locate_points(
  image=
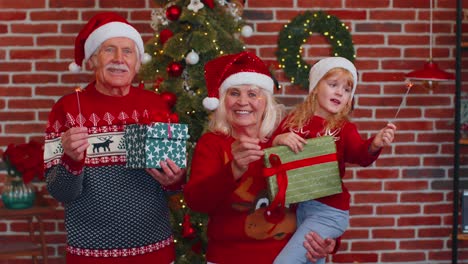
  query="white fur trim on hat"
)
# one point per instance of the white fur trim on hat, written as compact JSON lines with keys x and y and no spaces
{"x":73,"y":67}
{"x":210,"y":103}
{"x":261,"y":80}
{"x":112,"y":30}
{"x":324,"y":65}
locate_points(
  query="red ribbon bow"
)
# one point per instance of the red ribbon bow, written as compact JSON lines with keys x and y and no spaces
{"x":279,"y":169}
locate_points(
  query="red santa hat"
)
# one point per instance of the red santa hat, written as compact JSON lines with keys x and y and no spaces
{"x":324,"y":65}
{"x":100,"y":28}
{"x":234,"y":69}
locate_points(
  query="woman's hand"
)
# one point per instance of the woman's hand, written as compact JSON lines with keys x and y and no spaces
{"x":245,"y":150}
{"x":317,"y":247}
{"x":171,"y":173}
{"x":292,"y":140}
{"x":75,"y":142}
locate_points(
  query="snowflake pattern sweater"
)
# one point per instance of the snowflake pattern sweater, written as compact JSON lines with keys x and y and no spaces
{"x":350,"y":148}
{"x":237,"y":230}
{"x":110,"y":210}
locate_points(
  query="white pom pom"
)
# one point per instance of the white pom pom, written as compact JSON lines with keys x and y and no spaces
{"x":247,"y":31}
{"x":211,"y":103}
{"x":146,"y":58}
{"x":192,"y":58}
{"x":73,"y":67}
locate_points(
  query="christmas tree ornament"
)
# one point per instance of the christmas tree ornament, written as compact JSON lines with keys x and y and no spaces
{"x":188,"y":231}
{"x":174,"y":69}
{"x":170,"y":98}
{"x":209,"y":3}
{"x":173,"y":12}
{"x":192,"y":58}
{"x":195,"y":5}
{"x":158,"y":18}
{"x":165,"y":35}
{"x":157,"y":83}
{"x":246,"y":31}
{"x":236,"y":8}
{"x":146,"y":58}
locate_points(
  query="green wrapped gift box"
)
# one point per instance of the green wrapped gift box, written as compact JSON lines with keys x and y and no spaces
{"x":310,"y":174}
{"x":147,"y":145}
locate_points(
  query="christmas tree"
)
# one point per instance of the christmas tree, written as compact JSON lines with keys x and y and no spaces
{"x":189,"y":33}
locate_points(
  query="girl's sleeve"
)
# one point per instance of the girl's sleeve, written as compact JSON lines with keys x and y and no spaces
{"x":211,"y":180}
{"x":357,"y":149}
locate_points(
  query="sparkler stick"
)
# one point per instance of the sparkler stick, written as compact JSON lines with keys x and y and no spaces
{"x":77,"y":91}
{"x":403,"y":100}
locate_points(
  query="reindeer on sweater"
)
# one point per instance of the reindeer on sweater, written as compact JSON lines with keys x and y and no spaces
{"x":104,"y":144}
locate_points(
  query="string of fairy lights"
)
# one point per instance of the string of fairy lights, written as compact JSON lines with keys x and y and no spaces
{"x":298,"y":31}
{"x":171,"y":13}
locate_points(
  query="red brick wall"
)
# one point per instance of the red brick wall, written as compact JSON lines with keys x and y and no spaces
{"x":401,"y":206}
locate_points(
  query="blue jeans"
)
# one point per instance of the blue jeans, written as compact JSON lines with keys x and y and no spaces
{"x":325,"y":220}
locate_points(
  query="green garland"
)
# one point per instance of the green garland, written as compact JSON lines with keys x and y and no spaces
{"x":298,"y":31}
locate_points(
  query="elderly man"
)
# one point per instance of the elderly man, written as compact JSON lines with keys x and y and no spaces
{"x":112,"y":214}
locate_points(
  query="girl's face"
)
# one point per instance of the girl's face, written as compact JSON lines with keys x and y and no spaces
{"x":245,"y":106}
{"x":333,"y":93}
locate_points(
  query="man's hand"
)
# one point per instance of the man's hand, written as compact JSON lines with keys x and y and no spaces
{"x":75,"y":142}
{"x":317,"y":247}
{"x":170,"y":174}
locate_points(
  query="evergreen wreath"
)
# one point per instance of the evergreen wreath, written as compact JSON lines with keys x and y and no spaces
{"x":294,"y":34}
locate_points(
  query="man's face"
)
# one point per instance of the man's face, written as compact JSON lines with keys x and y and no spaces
{"x":116,"y":63}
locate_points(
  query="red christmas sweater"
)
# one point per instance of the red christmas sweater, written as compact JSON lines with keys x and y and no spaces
{"x":237,"y":229}
{"x":350,"y":148}
{"x":111,"y":211}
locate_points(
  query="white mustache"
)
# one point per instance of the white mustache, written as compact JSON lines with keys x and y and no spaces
{"x":116,"y":66}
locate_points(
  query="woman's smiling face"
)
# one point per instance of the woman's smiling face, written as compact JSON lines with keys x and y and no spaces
{"x":245,"y":106}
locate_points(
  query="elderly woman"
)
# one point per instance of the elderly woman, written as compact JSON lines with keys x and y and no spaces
{"x":226,"y":174}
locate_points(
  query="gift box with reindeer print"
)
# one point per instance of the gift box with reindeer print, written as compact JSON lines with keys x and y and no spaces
{"x":310,"y":174}
{"x":148,"y":145}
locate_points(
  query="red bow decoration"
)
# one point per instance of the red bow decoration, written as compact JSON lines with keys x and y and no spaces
{"x":188,"y":231}
{"x":274,"y":212}
{"x":160,"y":116}
{"x":279,"y":169}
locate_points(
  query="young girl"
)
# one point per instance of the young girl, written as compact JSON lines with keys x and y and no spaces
{"x":325,"y":112}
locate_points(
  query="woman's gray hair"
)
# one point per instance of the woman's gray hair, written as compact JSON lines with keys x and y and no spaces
{"x":273,"y":115}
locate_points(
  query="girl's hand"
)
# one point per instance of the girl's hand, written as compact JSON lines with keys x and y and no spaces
{"x":293,"y":141}
{"x":383,"y":138}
